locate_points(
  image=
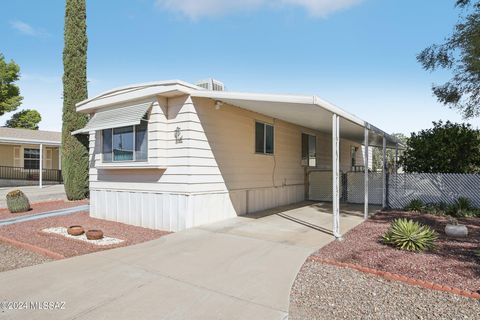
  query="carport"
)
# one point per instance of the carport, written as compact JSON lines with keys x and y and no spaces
{"x":317,"y":114}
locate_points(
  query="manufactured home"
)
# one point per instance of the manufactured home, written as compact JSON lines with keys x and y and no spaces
{"x":172,"y":155}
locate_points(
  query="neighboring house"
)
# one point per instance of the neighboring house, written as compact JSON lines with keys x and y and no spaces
{"x":24,"y":152}
{"x":172,"y":155}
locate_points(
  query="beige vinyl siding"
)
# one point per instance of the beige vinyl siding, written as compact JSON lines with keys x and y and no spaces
{"x":231,"y":135}
{"x":216,"y":152}
{"x":6,"y":155}
{"x":55,"y":154}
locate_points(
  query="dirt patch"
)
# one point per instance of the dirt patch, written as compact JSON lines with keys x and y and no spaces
{"x":31,"y":232}
{"x":452,"y":262}
{"x":42,"y":207}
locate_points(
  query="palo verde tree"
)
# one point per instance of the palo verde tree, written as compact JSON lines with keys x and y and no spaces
{"x":25,"y":119}
{"x":74,"y":148}
{"x":10,"y":97}
{"x":460,"y":53}
{"x":445,"y":148}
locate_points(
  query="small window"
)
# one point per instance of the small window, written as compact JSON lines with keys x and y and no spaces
{"x":264,"y":138}
{"x":125,"y":143}
{"x":31,"y":158}
{"x":309,"y":150}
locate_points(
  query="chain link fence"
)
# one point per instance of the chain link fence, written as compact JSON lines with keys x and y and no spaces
{"x":432,"y":188}
{"x":401,"y":187}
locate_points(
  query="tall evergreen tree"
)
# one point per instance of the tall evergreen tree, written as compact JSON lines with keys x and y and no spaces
{"x":74,"y":148}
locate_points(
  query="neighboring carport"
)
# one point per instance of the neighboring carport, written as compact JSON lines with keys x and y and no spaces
{"x":315,"y":113}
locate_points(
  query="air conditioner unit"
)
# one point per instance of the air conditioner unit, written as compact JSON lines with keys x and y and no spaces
{"x":211,"y":84}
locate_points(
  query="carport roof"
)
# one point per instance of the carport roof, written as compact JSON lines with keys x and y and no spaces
{"x":307,"y":111}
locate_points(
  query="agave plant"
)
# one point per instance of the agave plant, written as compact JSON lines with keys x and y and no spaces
{"x":415,"y":205}
{"x":410,"y":235}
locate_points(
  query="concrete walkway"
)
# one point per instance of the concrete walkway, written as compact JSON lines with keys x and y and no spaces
{"x":242,"y":268}
{"x":35,"y":194}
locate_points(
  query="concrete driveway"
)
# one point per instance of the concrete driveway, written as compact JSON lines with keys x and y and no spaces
{"x":242,"y":268}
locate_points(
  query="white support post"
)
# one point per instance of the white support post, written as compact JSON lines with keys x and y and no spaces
{"x":384,"y":172}
{"x":40,"y":176}
{"x":365,"y":161}
{"x":336,"y":176}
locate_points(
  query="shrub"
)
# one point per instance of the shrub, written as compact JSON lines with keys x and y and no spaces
{"x":462,"y":207}
{"x":17,"y":201}
{"x":415,"y":205}
{"x":409,"y":235}
{"x":435,"y":208}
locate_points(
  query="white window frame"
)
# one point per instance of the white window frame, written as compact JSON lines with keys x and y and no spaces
{"x":30,"y":159}
{"x":265,"y":124}
{"x":134,"y":145}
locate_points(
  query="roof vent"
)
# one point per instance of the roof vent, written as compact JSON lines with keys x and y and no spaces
{"x":211,"y":84}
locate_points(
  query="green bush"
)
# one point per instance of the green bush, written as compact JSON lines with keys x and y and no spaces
{"x":415,"y":205}
{"x":17,"y":201}
{"x":409,"y":235}
{"x":462,"y":207}
{"x":435,"y":208}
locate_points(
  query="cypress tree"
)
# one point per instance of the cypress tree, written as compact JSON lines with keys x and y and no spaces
{"x":74,"y":148}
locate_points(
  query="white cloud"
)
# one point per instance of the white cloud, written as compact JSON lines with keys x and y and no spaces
{"x":27,"y":29}
{"x":195,"y":9}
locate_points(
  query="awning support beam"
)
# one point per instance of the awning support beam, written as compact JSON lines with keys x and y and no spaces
{"x":336,"y":176}
{"x":365,"y":161}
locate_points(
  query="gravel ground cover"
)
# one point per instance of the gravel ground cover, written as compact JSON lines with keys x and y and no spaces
{"x":14,"y":258}
{"x":41,"y":207}
{"x":452,"y":263}
{"x":322,"y":291}
{"x":31,"y":232}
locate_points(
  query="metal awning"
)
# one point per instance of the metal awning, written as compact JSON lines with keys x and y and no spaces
{"x":116,"y":118}
{"x":306,"y":111}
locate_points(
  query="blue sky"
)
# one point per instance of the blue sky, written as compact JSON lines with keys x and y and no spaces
{"x":358,"y":54}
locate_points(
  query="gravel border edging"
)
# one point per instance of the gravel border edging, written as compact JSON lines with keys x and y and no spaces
{"x":396,"y":277}
{"x":30,"y":247}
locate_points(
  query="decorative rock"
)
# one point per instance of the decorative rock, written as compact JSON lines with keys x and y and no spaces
{"x":456,"y":231}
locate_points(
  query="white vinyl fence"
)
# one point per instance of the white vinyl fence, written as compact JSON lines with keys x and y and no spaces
{"x":432,"y":188}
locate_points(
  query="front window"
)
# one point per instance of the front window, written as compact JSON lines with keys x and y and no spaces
{"x":31,"y":158}
{"x":309,"y":150}
{"x":264,"y":138}
{"x":125,"y":143}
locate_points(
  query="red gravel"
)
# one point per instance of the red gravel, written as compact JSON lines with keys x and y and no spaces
{"x":31,"y":232}
{"x":41,"y":207}
{"x":452,"y":263}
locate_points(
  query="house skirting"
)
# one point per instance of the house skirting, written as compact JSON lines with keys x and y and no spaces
{"x":174,"y":211}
